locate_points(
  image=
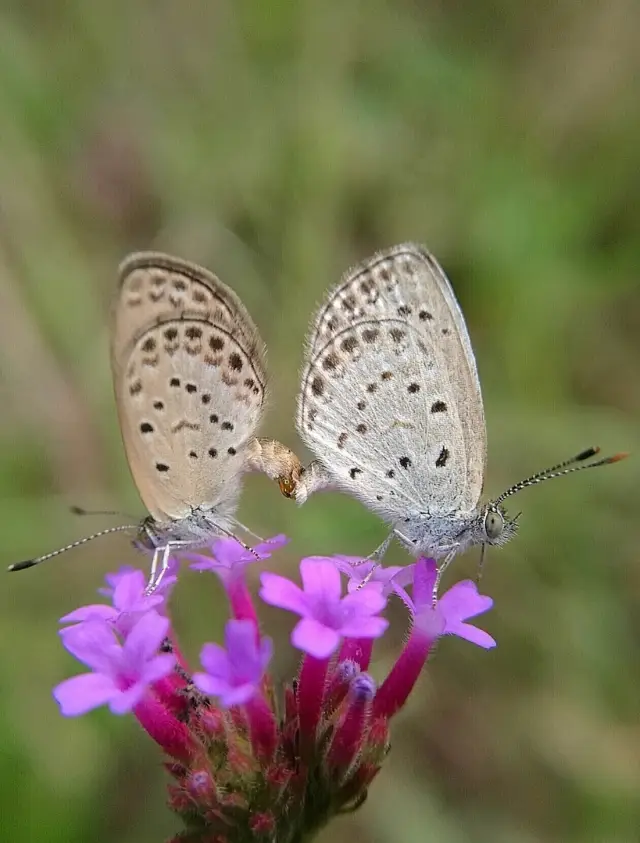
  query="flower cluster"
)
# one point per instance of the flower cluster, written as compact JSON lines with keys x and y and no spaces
{"x":250,"y":761}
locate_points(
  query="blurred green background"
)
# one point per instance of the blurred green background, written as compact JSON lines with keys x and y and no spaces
{"x":278,"y":143}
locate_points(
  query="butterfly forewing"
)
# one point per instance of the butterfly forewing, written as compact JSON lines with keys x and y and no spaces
{"x":429,"y":408}
{"x":190,"y":383}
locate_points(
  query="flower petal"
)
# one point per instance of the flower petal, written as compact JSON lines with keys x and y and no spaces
{"x":213,"y":686}
{"x":93,"y":612}
{"x":94,"y":643}
{"x":471,"y":633}
{"x":82,"y":693}
{"x":463,"y":601}
{"x":365,"y":628}
{"x":314,"y":638}
{"x":321,"y":579}
{"x":239,"y":695}
{"x":145,"y":638}
{"x":158,"y":667}
{"x":266,"y":548}
{"x":368,"y":600}
{"x":215,"y":661}
{"x":424,"y":580}
{"x":281,"y":592}
{"x":123,"y":702}
{"x":240,"y":638}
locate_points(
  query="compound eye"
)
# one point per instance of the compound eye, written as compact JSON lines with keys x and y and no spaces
{"x":493,"y":524}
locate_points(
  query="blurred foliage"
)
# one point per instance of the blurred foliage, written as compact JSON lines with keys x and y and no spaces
{"x":278,"y":143}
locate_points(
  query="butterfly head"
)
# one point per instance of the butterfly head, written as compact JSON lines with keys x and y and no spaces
{"x":493,"y":526}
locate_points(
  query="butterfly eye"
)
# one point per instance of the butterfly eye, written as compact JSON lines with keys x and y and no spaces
{"x":493,"y":524}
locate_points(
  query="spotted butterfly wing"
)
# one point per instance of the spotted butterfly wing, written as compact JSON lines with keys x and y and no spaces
{"x":189,"y":379}
{"x":390,"y":400}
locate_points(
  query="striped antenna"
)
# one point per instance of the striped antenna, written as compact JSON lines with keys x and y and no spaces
{"x":31,"y":563}
{"x":562,"y":468}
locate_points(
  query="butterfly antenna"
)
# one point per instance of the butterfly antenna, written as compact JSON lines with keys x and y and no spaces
{"x":30,"y":563}
{"x":80,"y":510}
{"x":567,"y":467}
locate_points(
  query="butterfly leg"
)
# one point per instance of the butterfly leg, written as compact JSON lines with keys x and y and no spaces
{"x":276,"y":461}
{"x":376,"y":557}
{"x":154,"y":569}
{"x":439,"y":572}
{"x":162,"y":555}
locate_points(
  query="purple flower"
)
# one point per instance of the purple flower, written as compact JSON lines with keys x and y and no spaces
{"x":121,"y":672}
{"x":130,"y":602}
{"x":326,"y":616}
{"x":229,"y":557}
{"x":457,"y":605}
{"x":392,"y":577}
{"x":234,"y":674}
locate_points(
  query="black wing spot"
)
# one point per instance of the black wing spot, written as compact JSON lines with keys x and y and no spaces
{"x":361,"y":405}
{"x":370,"y":335}
{"x":413,"y":388}
{"x":191,"y":387}
{"x":353,"y":472}
{"x":391,"y":473}
{"x":171,"y":334}
{"x":205,"y":398}
{"x":193,"y":332}
{"x":317,"y":386}
{"x":386,"y":376}
{"x":158,"y":405}
{"x":361,"y":428}
{"x":146,"y":427}
{"x":349,"y":344}
{"x":232,"y":452}
{"x":193,"y":455}
{"x":226,"y":426}
{"x":212,"y":453}
{"x":235,"y":362}
{"x":135,"y":388}
{"x":371,"y":387}
{"x":330,"y":362}
{"x":405,"y":462}
{"x":445,"y":331}
{"x":174,"y":382}
{"x":342,"y":439}
{"x":424,"y":315}
{"x":213,"y":418}
{"x":216,"y":344}
{"x":404,"y":310}
{"x":438,"y":407}
{"x":149,"y":345}
{"x":397,"y":335}
{"x":442,"y":458}
{"x":162,"y":467}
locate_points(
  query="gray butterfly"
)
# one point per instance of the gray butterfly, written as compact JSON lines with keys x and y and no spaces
{"x":190,"y":384}
{"x":391,"y":405}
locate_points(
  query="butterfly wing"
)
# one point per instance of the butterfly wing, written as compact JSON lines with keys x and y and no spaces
{"x":396,"y":314}
{"x":189,"y":379}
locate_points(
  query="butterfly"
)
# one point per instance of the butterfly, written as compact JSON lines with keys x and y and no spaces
{"x":190,"y":386}
{"x":390,"y":404}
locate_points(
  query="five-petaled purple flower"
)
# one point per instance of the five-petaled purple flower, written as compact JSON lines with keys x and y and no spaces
{"x":126,"y":588}
{"x":121,"y":673}
{"x":234,"y":674}
{"x":326,"y":616}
